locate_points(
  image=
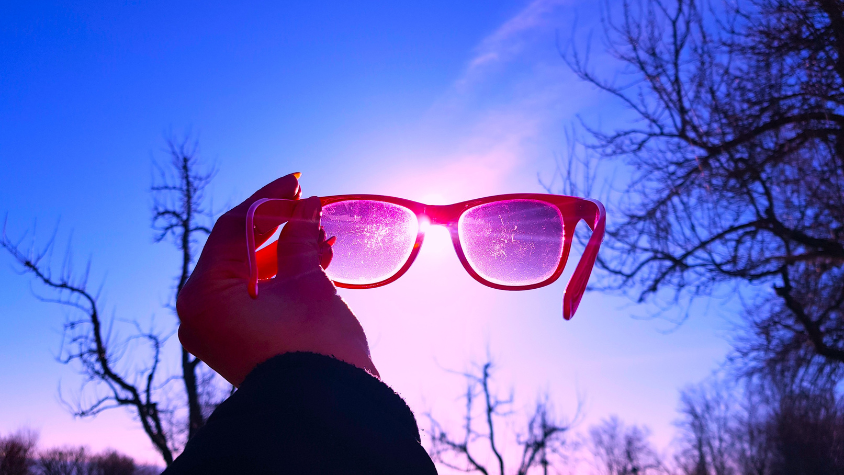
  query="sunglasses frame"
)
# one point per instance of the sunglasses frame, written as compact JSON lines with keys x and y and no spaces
{"x":572,"y":211}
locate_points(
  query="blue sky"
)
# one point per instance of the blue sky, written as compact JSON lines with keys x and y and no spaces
{"x":435,"y":101}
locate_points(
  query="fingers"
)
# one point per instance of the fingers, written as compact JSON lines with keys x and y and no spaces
{"x":272,"y":214}
{"x":299,"y":242}
{"x":225,"y":249}
{"x":267,"y":257}
{"x":286,"y":187}
{"x":269,"y":215}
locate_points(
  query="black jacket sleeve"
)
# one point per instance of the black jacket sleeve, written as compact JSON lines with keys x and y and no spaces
{"x":303,"y":413}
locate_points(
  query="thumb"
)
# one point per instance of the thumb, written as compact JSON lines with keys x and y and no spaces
{"x":299,"y":241}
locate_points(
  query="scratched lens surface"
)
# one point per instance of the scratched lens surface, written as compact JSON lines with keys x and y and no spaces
{"x":513,"y":242}
{"x":374,"y":239}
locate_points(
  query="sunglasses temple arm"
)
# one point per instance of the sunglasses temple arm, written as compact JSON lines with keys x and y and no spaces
{"x":250,"y":247}
{"x":275,"y":214}
{"x":577,"y":285}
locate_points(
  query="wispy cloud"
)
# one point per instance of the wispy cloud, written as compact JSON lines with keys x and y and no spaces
{"x":505,"y":109}
{"x":511,"y":39}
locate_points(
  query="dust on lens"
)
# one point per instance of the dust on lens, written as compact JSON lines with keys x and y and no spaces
{"x":513,"y":242}
{"x":374,"y":239}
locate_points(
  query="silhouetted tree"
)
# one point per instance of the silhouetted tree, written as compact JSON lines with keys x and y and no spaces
{"x":623,"y":450}
{"x":807,"y":431}
{"x":111,"y":462}
{"x":63,"y":461}
{"x":179,"y":212}
{"x":736,"y":160}
{"x":709,"y":431}
{"x":126,"y":371}
{"x":74,"y":461}
{"x":16,"y":452}
{"x":541,"y":443}
{"x":765,"y":428}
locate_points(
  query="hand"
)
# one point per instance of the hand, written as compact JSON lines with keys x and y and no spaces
{"x":298,"y":310}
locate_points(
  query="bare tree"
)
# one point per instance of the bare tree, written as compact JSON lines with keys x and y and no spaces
{"x":111,"y":462}
{"x":806,"y":431}
{"x":179,"y":213}
{"x":623,"y":450}
{"x":752,"y":446}
{"x":16,"y":452}
{"x":736,"y":154}
{"x":707,"y":431}
{"x":63,"y":461}
{"x":764,"y":428}
{"x":542,"y":441}
{"x":72,"y":461}
{"x":90,"y":342}
{"x":125,"y":371}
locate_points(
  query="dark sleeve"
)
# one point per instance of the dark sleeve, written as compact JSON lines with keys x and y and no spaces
{"x":310,"y":414}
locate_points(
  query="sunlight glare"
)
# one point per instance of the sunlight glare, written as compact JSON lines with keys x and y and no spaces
{"x":437,"y":242}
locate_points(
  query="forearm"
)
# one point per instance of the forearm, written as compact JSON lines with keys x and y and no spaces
{"x":308,"y":413}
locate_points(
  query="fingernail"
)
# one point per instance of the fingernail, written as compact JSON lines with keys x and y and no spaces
{"x":330,"y":241}
{"x":297,"y":175}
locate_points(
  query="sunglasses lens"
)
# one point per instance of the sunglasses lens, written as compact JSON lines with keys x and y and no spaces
{"x":513,"y":242}
{"x":374,"y":239}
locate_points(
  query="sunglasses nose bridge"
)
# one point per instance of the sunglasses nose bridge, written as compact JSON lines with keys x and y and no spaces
{"x":439,"y":215}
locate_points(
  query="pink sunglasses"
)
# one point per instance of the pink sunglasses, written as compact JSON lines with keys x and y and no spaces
{"x":508,"y":242}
